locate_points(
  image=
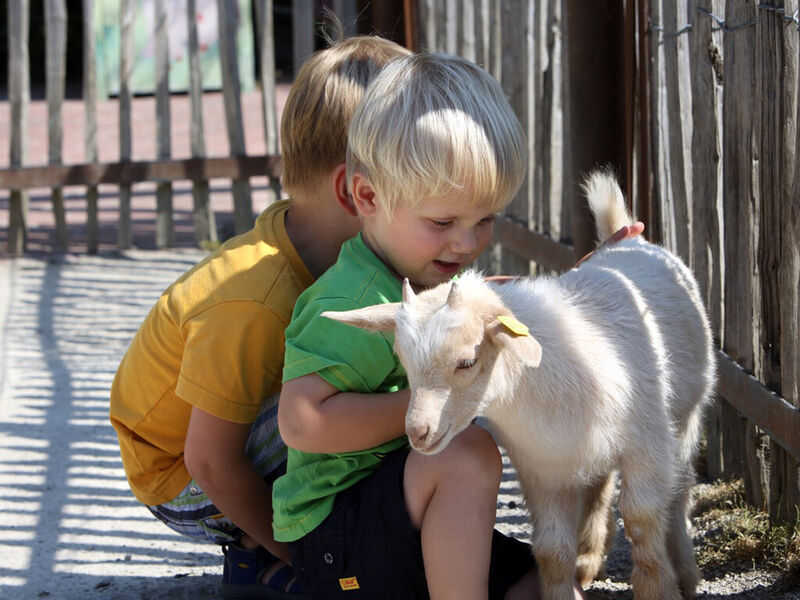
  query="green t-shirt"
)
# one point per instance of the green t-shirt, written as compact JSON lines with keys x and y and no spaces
{"x":348,"y":358}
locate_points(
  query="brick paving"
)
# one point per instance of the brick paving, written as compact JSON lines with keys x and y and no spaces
{"x":41,"y":223}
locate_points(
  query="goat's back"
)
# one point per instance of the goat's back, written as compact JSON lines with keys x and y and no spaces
{"x":668,"y":296}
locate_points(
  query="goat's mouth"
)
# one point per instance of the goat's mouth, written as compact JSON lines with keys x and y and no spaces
{"x":437,"y":445}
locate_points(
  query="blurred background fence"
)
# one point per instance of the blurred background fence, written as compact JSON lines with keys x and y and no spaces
{"x":693,"y":103}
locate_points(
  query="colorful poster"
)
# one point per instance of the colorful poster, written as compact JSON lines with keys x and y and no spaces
{"x":107,"y":36}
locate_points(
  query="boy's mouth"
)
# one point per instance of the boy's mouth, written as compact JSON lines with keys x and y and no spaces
{"x":447,"y":267}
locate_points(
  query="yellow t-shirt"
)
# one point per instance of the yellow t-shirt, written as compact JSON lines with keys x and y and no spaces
{"x":215,"y":340}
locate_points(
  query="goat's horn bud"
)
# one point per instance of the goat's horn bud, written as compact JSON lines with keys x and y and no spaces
{"x":454,"y":297}
{"x":408,"y":293}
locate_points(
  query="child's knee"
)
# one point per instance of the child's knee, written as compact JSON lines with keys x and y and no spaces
{"x":475,"y":455}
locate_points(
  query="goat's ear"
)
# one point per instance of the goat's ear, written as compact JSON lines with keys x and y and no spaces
{"x":519,"y":341}
{"x":380,"y":317}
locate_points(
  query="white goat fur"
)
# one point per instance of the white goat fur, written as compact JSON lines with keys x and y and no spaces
{"x":613,"y":375}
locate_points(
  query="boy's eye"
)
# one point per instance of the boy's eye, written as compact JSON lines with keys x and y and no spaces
{"x":466,"y":363}
{"x":441,"y":223}
{"x":489,"y":219}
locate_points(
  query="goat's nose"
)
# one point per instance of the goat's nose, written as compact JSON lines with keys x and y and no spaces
{"x":417,"y":433}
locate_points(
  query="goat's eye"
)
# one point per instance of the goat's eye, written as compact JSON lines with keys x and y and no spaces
{"x":466,"y":363}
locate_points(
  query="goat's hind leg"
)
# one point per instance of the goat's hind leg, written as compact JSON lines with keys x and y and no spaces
{"x":645,"y":502}
{"x":597,"y":528}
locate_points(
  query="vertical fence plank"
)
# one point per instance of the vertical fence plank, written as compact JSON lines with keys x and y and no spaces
{"x":266,"y":39}
{"x":427,"y":23}
{"x":740,"y":209}
{"x":549,"y":148}
{"x":468,"y":43}
{"x":124,"y":233}
{"x":302,"y":31}
{"x":164,"y":229}
{"x":676,"y":108}
{"x":55,"y":15}
{"x":205,"y":229}
{"x":228,"y":25}
{"x":346,"y":11}
{"x":19,"y":96}
{"x":785,"y":468}
{"x":515,"y":73}
{"x":707,"y":69}
{"x":776,"y":87}
{"x":706,"y":153}
{"x":90,"y":121}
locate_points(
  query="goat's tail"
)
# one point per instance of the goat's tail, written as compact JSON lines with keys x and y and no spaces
{"x":606,"y":203}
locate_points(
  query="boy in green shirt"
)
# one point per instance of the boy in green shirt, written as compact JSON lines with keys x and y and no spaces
{"x":434,"y":151}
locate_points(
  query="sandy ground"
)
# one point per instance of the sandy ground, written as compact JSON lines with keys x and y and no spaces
{"x":71,"y":528}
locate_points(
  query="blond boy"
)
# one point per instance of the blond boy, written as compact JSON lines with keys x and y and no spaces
{"x":434,"y":152}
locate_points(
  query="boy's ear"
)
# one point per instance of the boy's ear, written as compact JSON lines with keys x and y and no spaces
{"x":363,"y":194}
{"x":339,"y":182}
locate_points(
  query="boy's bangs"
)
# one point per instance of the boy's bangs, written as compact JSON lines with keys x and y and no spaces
{"x":447,"y":149}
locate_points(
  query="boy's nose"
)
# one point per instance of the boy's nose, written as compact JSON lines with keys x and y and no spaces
{"x":464,"y":242}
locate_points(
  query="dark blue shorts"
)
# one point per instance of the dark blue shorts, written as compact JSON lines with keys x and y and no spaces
{"x":368,"y":548}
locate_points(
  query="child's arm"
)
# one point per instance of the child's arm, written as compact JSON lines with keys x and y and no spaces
{"x":314,"y":416}
{"x":215,"y":457}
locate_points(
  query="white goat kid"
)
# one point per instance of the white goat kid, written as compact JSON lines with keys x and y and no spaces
{"x":605,"y":367}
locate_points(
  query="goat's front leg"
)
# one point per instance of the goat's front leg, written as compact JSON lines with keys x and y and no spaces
{"x":555,"y":540}
{"x":597,"y":528}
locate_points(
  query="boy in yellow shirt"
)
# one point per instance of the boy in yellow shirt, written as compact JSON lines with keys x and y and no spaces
{"x":194,"y":401}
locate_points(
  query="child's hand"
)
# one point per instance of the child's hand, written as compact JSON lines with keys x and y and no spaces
{"x":625,"y":232}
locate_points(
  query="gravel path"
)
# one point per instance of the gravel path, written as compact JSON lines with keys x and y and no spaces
{"x":72,"y":529}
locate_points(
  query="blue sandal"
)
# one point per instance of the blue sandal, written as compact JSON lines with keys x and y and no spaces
{"x":243,"y":570}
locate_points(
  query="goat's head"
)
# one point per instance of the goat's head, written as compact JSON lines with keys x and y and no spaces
{"x":448,"y":341}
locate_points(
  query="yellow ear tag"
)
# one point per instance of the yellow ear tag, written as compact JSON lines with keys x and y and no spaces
{"x":513,"y":325}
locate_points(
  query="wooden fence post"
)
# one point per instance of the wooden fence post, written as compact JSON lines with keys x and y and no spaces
{"x":740,"y":440}
{"x":706,"y":153}
{"x":19,"y":96}
{"x":514,"y":78}
{"x":302,"y":31}
{"x":595,"y":54}
{"x":228,"y":25}
{"x":164,"y":226}
{"x":266,"y":40}
{"x":205,"y":228}
{"x":55,"y":12}
{"x":90,"y":126}
{"x":124,"y":233}
{"x":777,"y":260}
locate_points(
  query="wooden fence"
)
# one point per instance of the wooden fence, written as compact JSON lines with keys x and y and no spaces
{"x":694,"y":103}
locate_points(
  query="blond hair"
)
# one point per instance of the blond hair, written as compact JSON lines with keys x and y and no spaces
{"x":321,"y":102}
{"x":431,"y":123}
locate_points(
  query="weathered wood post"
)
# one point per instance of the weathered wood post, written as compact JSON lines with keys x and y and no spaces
{"x":164,"y":227}
{"x":205,"y":228}
{"x":776,"y":86}
{"x":19,"y":97}
{"x":124,"y":233}
{"x":55,"y":14}
{"x":266,"y":43}
{"x":228,"y":24}
{"x":302,"y":31}
{"x":740,"y":439}
{"x":90,"y":126}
